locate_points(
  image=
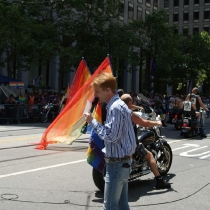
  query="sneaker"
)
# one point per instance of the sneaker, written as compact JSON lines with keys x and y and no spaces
{"x":161,"y":184}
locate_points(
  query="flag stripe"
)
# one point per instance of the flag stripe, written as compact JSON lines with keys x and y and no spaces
{"x":67,"y":126}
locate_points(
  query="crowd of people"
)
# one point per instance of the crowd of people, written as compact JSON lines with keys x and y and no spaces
{"x":25,"y":105}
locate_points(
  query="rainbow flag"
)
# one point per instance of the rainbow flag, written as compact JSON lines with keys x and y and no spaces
{"x":13,"y":84}
{"x":20,"y":84}
{"x":81,"y":77}
{"x":67,"y":126}
{"x":95,"y":156}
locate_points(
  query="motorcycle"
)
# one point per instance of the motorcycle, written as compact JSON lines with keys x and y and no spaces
{"x":177,"y":121}
{"x":48,"y":113}
{"x":190,"y":125}
{"x":153,"y":142}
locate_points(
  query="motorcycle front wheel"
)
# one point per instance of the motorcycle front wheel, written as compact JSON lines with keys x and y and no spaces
{"x":164,"y":160}
{"x":98,"y":179}
{"x":44,"y":119}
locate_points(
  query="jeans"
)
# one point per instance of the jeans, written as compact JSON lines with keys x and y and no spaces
{"x":201,"y":130}
{"x":116,"y":186}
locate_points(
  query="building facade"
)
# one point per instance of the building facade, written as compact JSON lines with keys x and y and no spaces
{"x":129,"y":10}
{"x":190,"y":16}
{"x":136,"y":10}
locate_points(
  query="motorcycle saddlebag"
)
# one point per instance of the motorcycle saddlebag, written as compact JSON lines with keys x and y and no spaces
{"x":193,"y":123}
{"x":179,"y":122}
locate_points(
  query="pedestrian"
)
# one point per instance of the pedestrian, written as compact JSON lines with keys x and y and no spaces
{"x":11,"y":108}
{"x":119,"y":140}
{"x":147,"y":155}
{"x":21,"y":106}
{"x":158,"y":105}
{"x":196,"y":100}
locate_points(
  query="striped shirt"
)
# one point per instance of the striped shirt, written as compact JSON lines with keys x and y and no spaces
{"x":117,"y":131}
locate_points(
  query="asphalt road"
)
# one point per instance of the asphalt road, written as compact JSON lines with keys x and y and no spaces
{"x":60,"y":178}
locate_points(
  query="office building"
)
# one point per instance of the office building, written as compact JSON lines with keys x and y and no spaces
{"x":190,"y":16}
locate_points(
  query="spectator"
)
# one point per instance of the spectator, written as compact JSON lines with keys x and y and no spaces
{"x":21,"y":102}
{"x":30,"y":103}
{"x":10,"y":104}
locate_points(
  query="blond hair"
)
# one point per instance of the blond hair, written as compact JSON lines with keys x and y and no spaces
{"x":105,"y":80}
{"x":195,"y":90}
{"x":126,"y":98}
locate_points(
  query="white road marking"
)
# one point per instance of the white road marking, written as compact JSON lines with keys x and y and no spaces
{"x":170,"y":142}
{"x":194,"y":155}
{"x":42,"y":168}
{"x":185,"y":146}
{"x":205,"y":156}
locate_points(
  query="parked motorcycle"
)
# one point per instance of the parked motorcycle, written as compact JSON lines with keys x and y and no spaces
{"x":49,"y":113}
{"x":153,"y":142}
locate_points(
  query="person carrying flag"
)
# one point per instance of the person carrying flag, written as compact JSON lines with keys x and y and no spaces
{"x":119,"y":140}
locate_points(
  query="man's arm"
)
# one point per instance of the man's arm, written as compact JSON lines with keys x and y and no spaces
{"x":144,"y":123}
{"x":112,"y":130}
{"x":202,"y":105}
{"x":134,"y":107}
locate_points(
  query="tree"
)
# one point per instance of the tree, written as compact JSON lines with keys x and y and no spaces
{"x":156,"y":39}
{"x":71,"y":22}
{"x":14,"y":37}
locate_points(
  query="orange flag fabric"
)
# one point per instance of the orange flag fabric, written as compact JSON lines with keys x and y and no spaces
{"x":81,"y":77}
{"x":67,"y":126}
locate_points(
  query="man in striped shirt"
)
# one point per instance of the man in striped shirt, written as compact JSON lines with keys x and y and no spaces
{"x":119,"y":139}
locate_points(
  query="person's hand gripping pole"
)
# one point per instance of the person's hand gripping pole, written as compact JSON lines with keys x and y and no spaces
{"x":88,"y":115}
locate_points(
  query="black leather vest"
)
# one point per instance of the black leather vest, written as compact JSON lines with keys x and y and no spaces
{"x":194,"y":99}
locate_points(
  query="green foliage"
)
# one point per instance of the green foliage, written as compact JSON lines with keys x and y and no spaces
{"x":35,"y":31}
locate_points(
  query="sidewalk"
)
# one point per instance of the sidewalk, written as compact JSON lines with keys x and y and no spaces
{"x":25,"y":126}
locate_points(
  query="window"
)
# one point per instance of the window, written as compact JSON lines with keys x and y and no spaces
{"x":130,"y":11}
{"x":166,"y":3}
{"x":176,"y":17}
{"x":186,"y":3}
{"x":186,"y":16}
{"x":206,"y":28}
{"x":140,"y":1}
{"x":176,"y":3}
{"x":207,"y":1}
{"x":176,"y":31}
{"x":196,"y":2}
{"x":185,"y":30}
{"x":195,"y":29}
{"x":139,"y":13}
{"x":121,"y":9}
{"x":147,"y":12}
{"x":167,"y":17}
{"x":196,"y":16}
{"x":148,"y":3}
{"x":206,"y":15}
{"x":155,"y":4}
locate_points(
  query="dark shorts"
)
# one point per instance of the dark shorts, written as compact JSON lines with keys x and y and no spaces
{"x":142,"y":150}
